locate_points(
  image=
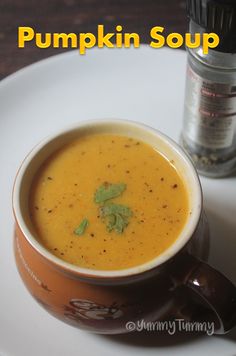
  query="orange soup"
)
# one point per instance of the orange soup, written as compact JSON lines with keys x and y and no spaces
{"x":108,"y":202}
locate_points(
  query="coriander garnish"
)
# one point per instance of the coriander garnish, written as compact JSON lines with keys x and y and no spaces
{"x":82,"y":227}
{"x":117,"y":216}
{"x":111,"y":208}
{"x":117,"y":223}
{"x":108,"y":191}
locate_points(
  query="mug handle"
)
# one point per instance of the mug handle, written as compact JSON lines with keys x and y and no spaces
{"x":216,"y":292}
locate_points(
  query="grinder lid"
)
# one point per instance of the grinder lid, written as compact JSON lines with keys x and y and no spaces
{"x":218,"y":16}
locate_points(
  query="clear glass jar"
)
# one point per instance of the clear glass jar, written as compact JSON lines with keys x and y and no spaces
{"x":209,"y":127}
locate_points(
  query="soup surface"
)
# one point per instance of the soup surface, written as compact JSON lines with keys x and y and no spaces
{"x":144,"y":211}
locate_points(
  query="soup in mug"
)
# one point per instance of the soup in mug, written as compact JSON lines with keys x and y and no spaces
{"x":108,"y":202}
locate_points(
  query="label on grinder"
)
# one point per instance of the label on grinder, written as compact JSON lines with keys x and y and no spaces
{"x":210,"y":112}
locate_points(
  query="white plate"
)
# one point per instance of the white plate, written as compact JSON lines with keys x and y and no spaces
{"x":143,"y":85}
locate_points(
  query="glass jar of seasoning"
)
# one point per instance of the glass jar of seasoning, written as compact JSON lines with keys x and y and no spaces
{"x":209,"y":126}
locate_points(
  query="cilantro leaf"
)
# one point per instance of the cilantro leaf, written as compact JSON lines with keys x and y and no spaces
{"x":120,"y":224}
{"x":117,"y":216}
{"x":111,"y":222}
{"x":82,"y":227}
{"x":111,"y":208}
{"x":108,"y":191}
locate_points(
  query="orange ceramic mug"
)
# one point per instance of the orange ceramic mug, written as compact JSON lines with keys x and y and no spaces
{"x":176,"y":284}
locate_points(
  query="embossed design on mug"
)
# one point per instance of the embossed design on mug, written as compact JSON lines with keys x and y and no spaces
{"x":29,"y":270}
{"x":85,"y":309}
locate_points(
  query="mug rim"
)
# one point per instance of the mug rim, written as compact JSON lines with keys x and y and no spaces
{"x":185,"y":234}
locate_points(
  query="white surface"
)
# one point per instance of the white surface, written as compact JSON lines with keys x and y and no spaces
{"x":143,"y":85}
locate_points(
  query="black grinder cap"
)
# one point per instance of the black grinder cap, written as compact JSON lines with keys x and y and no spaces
{"x":217,"y":16}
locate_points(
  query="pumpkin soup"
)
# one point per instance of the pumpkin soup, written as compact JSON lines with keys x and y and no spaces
{"x":107,"y":202}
